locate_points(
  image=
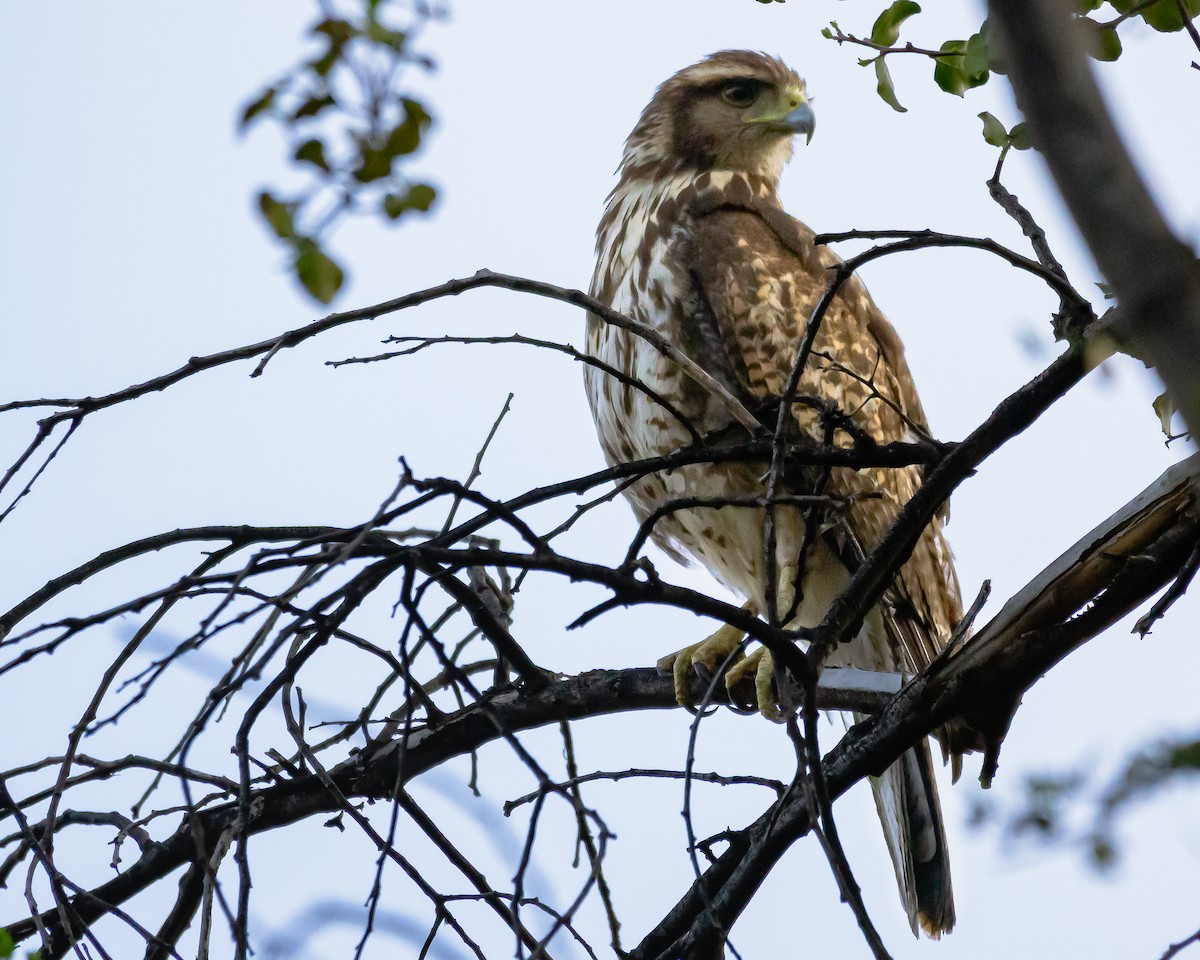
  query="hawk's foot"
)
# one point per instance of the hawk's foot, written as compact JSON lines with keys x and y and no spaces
{"x":722,"y":651}
{"x":714,"y":654}
{"x":759,"y":667}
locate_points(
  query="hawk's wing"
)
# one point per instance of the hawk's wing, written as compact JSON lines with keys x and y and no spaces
{"x":761,"y":276}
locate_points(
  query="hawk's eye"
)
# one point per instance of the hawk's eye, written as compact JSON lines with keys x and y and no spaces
{"x":741,"y":93}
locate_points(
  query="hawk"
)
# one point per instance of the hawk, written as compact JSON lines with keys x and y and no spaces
{"x":694,"y":244}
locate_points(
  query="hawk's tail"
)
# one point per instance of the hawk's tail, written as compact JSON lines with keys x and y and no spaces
{"x":907,"y":800}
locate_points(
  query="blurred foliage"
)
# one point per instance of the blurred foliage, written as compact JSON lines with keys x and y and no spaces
{"x":349,"y":129}
{"x":962,"y":65}
{"x":1071,"y":809}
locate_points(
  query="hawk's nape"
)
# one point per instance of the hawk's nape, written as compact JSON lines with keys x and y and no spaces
{"x":695,"y":245}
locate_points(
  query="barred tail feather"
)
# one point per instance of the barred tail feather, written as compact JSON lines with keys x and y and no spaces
{"x":907,"y":801}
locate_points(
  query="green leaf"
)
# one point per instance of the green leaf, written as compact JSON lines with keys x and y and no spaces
{"x":278,"y":215}
{"x":993,"y":130}
{"x":883,"y":86}
{"x":385,"y":36}
{"x":313,"y":105}
{"x":336,"y":30}
{"x":419,"y":196}
{"x":950,"y":73}
{"x":947,"y":71}
{"x":416,"y":112}
{"x":403,"y":139}
{"x":1164,"y":409}
{"x":1104,"y":854}
{"x":826,"y":32}
{"x":325,"y":63}
{"x":886,"y":30}
{"x":394,"y":206}
{"x":7,"y":946}
{"x":318,"y":274}
{"x":257,"y":107}
{"x":1185,"y":756}
{"x":1018,"y":136}
{"x":995,"y":63}
{"x":1100,"y":41}
{"x":339,"y":33}
{"x":406,"y":137}
{"x":373,"y":164}
{"x":1087,"y":6}
{"x":1165,"y":16}
{"x":312,"y":151}
{"x":1110,"y":44}
{"x":975,"y":61}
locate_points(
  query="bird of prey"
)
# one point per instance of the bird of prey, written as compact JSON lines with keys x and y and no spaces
{"x":694,"y":245}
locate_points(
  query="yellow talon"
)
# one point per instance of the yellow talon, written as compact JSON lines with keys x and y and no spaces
{"x":713,"y":654}
{"x":760,"y":666}
{"x":722,"y":651}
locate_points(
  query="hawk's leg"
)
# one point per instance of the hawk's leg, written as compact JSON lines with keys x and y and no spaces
{"x":760,"y":665}
{"x":714,"y":654}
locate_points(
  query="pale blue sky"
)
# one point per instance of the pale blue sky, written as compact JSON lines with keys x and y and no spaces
{"x":127,"y":244}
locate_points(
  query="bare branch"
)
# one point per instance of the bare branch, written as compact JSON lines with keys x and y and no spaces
{"x":78,"y":408}
{"x":616,"y":775}
{"x":1152,"y":272}
{"x":1180,"y":946}
{"x":1148,"y":541}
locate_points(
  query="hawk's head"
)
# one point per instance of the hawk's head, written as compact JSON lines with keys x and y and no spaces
{"x":735,"y":110}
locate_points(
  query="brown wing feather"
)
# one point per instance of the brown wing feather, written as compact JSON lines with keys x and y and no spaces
{"x":762,"y":276}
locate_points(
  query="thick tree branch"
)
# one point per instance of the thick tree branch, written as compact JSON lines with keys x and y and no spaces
{"x":377,"y":774}
{"x":1013,"y":415}
{"x":1141,"y":547}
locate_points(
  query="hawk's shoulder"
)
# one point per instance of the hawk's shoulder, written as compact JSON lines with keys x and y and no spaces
{"x":763,"y":275}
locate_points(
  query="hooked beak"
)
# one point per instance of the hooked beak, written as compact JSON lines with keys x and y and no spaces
{"x":801,"y":120}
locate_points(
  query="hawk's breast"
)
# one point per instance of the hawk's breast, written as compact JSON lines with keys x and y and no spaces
{"x":641,"y":272}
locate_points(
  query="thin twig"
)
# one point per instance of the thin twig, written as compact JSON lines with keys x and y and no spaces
{"x":1179,"y":947}
{"x":617,"y":775}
